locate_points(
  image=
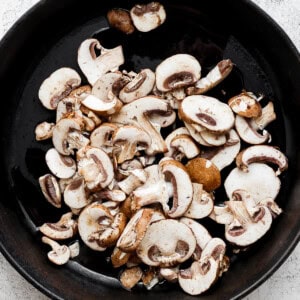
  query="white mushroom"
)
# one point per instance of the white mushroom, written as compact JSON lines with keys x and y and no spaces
{"x":94,"y":66}
{"x":43,"y":131}
{"x":208,"y":112}
{"x":50,"y":189}
{"x":264,"y":154}
{"x":166,"y":243}
{"x":67,"y":106}
{"x":57,"y":86}
{"x":61,"y":166}
{"x":177,"y":71}
{"x":138,"y":87}
{"x":147,"y":17}
{"x":65,"y":228}
{"x":113,"y":195}
{"x":185,"y":145}
{"x":135,"y":179}
{"x":171,"y":136}
{"x":60,"y":254}
{"x":260,"y":180}
{"x":170,"y":274}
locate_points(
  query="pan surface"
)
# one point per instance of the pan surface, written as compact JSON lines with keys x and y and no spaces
{"x":47,"y":38}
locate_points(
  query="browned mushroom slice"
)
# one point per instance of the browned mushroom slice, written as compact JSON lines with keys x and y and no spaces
{"x":65,"y":228}
{"x":177,"y":71}
{"x":130,"y":277}
{"x":121,"y":20}
{"x":150,"y":277}
{"x":264,"y":154}
{"x":135,"y":230}
{"x":208,"y":112}
{"x":43,"y":131}
{"x":50,"y":189}
{"x":260,"y":180}
{"x":202,"y":203}
{"x":138,"y":87}
{"x":245,"y":105}
{"x":119,"y":258}
{"x":166,"y":243}
{"x":94,"y":66}
{"x":57,"y":86}
{"x":213,"y":78}
{"x":129,"y":140}
{"x":147,"y":17}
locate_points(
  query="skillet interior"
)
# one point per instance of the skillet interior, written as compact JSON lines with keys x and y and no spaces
{"x":48,"y":38}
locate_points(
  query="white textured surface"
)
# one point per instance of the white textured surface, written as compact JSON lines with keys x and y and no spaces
{"x":285,"y":283}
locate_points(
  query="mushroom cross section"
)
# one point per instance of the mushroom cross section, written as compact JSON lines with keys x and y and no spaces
{"x":50,"y":189}
{"x":75,"y":195}
{"x":166,"y":243}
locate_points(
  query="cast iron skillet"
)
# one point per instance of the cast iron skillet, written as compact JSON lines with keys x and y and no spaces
{"x":47,"y":38}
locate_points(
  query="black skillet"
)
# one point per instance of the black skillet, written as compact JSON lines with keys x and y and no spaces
{"x":47,"y":38}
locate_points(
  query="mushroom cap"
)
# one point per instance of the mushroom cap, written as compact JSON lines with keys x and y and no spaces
{"x":147,"y":17}
{"x":208,"y":112}
{"x":166,"y":243}
{"x":61,"y":166}
{"x":260,"y":181}
{"x":121,"y":20}
{"x":57,"y":86}
{"x":177,"y":71}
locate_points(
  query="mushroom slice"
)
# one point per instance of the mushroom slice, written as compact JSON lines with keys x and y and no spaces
{"x":66,"y":106}
{"x":264,"y":154}
{"x":138,"y":87}
{"x":67,"y":136}
{"x":223,"y":156}
{"x":201,"y":234}
{"x":213,"y":139}
{"x":171,"y":136}
{"x":60,"y":254}
{"x":119,"y":258}
{"x":57,"y":86}
{"x":121,"y":20}
{"x":195,"y":134}
{"x":201,"y":205}
{"x":170,"y":274}
{"x":213,"y":78}
{"x":65,"y":228}
{"x":267,"y":116}
{"x":50,"y":189}
{"x":221,"y":215}
{"x":74,"y":247}
{"x":130,"y":277}
{"x":272,"y":206}
{"x":129,"y":140}
{"x":203,"y":171}
{"x":185,"y":145}
{"x":147,"y":17}
{"x":43,"y":131}
{"x":162,"y":120}
{"x":113,"y":195}
{"x":101,"y":137}
{"x":137,"y":113}
{"x":95,"y":166}
{"x":150,"y":278}
{"x":81,"y":92}
{"x":245,"y":105}
{"x":260,"y":181}
{"x":208,"y":112}
{"x":136,"y":178}
{"x":135,"y":230}
{"x":166,"y":243}
{"x":92,"y":222}
{"x":93,"y":66}
{"x":75,"y":195}
{"x":61,"y":166}
{"x":177,"y":71}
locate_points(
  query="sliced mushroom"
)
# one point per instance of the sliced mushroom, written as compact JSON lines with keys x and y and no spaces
{"x":268,"y":115}
{"x":50,"y":189}
{"x":67,"y":136}
{"x":119,"y":258}
{"x":129,"y":140}
{"x":245,"y":105}
{"x":67,"y":106}
{"x":65,"y":228}
{"x":260,"y":181}
{"x":170,"y":274}
{"x":136,"y":178}
{"x":138,"y":87}
{"x":95,"y":166}
{"x":171,"y":136}
{"x":135,"y":230}
{"x":57,"y":86}
{"x":74,"y":247}
{"x":162,"y":120}
{"x":130,"y":277}
{"x":208,"y":112}
{"x":121,"y":20}
{"x":60,"y":254}
{"x":81,"y":92}
{"x":177,"y":71}
{"x":195,"y":134}
{"x":185,"y":145}
{"x":43,"y":131}
{"x":264,"y":154}
{"x":221,"y":214}
{"x":75,"y":195}
{"x":61,"y":166}
{"x":136,"y":113}
{"x":93,"y":66}
{"x":203,"y":171}
{"x":202,"y":203}
{"x":166,"y":243}
{"x":272,"y":206}
{"x":147,"y":17}
{"x":213,"y":78}
{"x":223,"y":156}
{"x":150,"y":278}
{"x":113,"y":195}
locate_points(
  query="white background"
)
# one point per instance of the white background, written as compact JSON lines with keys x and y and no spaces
{"x":285,"y":283}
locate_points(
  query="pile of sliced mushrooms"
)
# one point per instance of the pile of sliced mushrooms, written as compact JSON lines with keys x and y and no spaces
{"x":141,"y":194}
